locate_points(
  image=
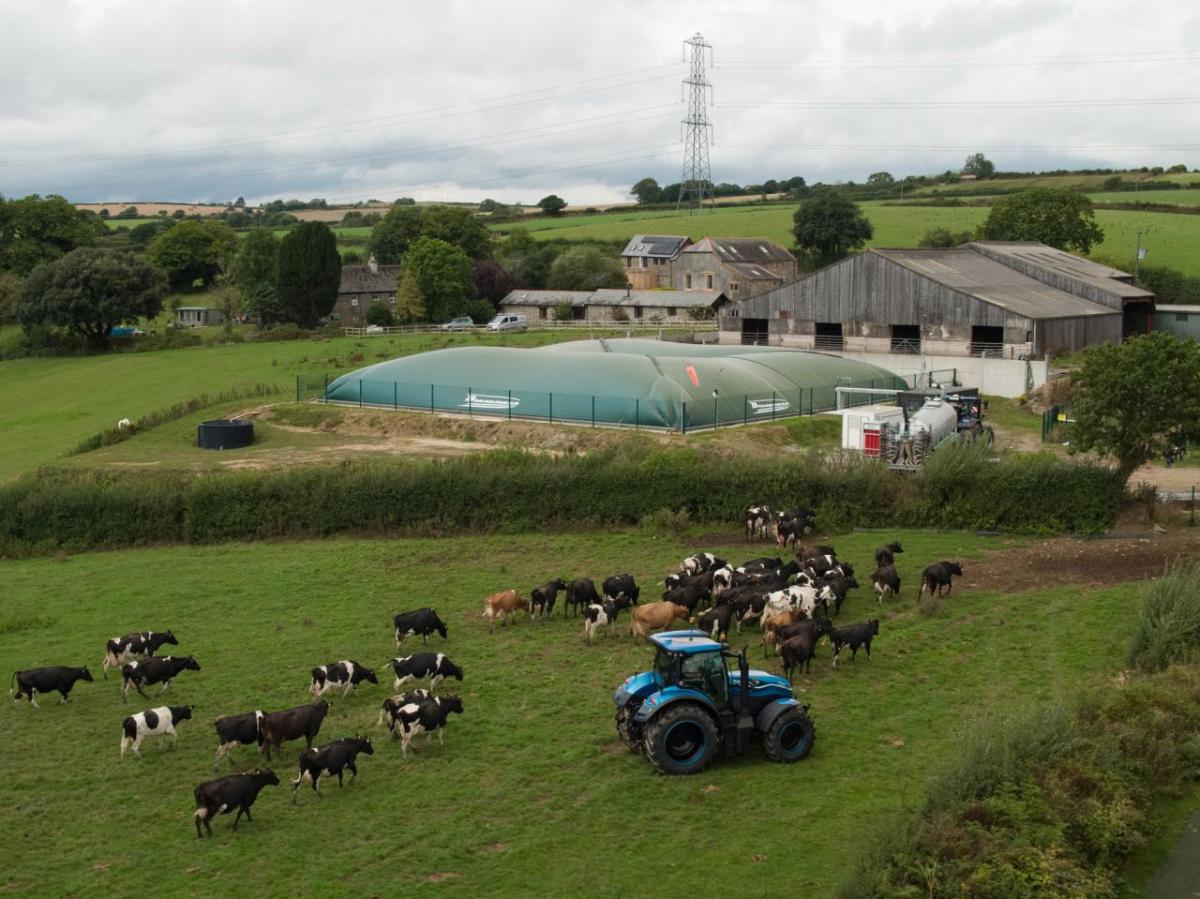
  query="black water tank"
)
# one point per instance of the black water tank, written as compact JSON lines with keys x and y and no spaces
{"x":223,"y":433}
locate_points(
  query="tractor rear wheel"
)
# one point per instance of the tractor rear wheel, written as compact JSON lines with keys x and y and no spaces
{"x":790,"y":737}
{"x":682,"y":739}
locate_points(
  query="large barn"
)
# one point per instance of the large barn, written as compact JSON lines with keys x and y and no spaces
{"x":1011,"y":300}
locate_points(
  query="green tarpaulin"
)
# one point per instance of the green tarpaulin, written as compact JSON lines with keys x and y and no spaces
{"x":648,"y":383}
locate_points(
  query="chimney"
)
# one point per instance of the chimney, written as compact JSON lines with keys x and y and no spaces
{"x":372,"y":264}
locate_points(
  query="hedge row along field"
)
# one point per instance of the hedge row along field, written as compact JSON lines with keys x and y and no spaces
{"x":519,"y":492}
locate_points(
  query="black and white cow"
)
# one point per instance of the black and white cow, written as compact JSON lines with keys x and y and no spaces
{"x":602,"y":614}
{"x":887,"y":582}
{"x":223,"y":795}
{"x":424,"y":718}
{"x":422,"y":621}
{"x":434,"y":665}
{"x":154,"y":670}
{"x":120,"y":650}
{"x":332,"y":758}
{"x":580,"y":594}
{"x":886,"y":554}
{"x":621,"y":586}
{"x":347,"y":674}
{"x":699,"y":563}
{"x":159,"y":722}
{"x":543,"y":598}
{"x":834,"y":587}
{"x":759,"y":520}
{"x":237,"y":730}
{"x":387,"y":711}
{"x":716,"y":622}
{"x":32,"y":681}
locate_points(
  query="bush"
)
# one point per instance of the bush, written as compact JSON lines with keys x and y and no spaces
{"x":666,"y":521}
{"x":380,"y":314}
{"x":1169,"y":624}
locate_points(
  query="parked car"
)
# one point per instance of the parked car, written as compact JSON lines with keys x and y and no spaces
{"x":462,"y":323}
{"x":509,"y":321}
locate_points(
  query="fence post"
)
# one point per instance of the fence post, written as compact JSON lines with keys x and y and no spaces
{"x":551,"y":407}
{"x":593,"y":410}
{"x":395,"y":395}
{"x":745,"y":407}
{"x":297,"y":388}
{"x":510,"y":404}
{"x":772,"y":405}
{"x":325,"y":389}
{"x":470,"y":400}
{"x":683,"y":420}
{"x":430,"y":399}
{"x":716,"y":414}
{"x":637,"y":408}
{"x":360,"y":393}
{"x":812,"y":410}
{"x":799,"y":401}
{"x":1192,"y":517}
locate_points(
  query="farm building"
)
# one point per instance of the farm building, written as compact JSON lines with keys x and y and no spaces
{"x":361,"y":286}
{"x":648,"y":257}
{"x":1010,"y":300}
{"x":197,"y":317}
{"x":608,"y":305}
{"x":738,"y":267}
{"x":634,"y":382}
{"x":1183,"y":320}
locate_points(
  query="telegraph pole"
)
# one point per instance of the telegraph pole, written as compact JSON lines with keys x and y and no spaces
{"x":697,"y":176}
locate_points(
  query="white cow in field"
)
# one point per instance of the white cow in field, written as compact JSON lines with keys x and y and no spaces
{"x":159,"y":722}
{"x":124,"y":425}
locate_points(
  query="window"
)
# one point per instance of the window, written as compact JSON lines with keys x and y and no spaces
{"x":354,"y":302}
{"x":734,"y":287}
{"x":687,"y":281}
{"x":708,"y":281}
{"x":670,"y":310}
{"x":644,"y":263}
{"x":637,"y":311}
{"x":542,"y":312}
{"x":1181,"y":316}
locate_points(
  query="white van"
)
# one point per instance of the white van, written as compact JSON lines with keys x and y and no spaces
{"x":509,"y":321}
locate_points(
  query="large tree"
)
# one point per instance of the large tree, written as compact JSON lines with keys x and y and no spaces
{"x":646,"y":191}
{"x":89,"y":291}
{"x":586,"y":268}
{"x":458,"y":225}
{"x":492,"y":281}
{"x":552,"y":204}
{"x":34,"y":230}
{"x":254,"y":270}
{"x":192,"y":251}
{"x":1057,"y":216}
{"x":444,"y":277}
{"x":394,"y":234}
{"x":10,"y":294}
{"x":978,"y":165}
{"x":410,"y":303}
{"x":827,"y":226}
{"x":308,"y":273}
{"x":527,"y":259}
{"x":1138,"y":400}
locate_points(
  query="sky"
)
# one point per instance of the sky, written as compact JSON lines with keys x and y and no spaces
{"x":123,"y":100}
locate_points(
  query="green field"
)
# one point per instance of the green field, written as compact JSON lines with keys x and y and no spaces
{"x":532,"y":793}
{"x":1167,"y":197}
{"x":1173,"y":240}
{"x":1088,"y":182}
{"x":47,"y":405}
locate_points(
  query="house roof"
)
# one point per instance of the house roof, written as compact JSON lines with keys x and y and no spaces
{"x":613,"y":297}
{"x":751,"y":272}
{"x":666,"y":246}
{"x":1178,"y":307}
{"x":1077,"y":268}
{"x":742,"y":250}
{"x":360,"y":279}
{"x":971,"y":272}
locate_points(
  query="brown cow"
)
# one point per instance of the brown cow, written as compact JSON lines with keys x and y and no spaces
{"x":655,"y":616}
{"x":501,"y":605}
{"x":774,"y":624}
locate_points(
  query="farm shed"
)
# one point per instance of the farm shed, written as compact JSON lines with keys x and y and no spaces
{"x":635,"y":382}
{"x":611,"y":304}
{"x":1005,"y":299}
{"x":1180,"y":319}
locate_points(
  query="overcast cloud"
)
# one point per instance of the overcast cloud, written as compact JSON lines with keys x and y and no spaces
{"x":112,"y":100}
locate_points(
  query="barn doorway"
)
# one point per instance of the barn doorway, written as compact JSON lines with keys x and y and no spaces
{"x":1136,"y":320}
{"x":829,"y":336}
{"x":754,"y":332}
{"x":987,"y":339}
{"x":906,"y":338}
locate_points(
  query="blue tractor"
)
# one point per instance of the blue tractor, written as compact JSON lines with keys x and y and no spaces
{"x":692,"y":704}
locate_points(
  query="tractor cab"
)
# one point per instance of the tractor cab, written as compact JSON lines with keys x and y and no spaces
{"x":699,"y":695}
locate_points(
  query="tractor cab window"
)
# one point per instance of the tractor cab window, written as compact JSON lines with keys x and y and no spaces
{"x":706,"y":672}
{"x":664,"y":667}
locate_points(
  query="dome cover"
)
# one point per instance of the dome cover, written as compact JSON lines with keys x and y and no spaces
{"x":625,"y":381}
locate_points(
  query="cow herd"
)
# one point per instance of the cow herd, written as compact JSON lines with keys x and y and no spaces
{"x":793,"y":604}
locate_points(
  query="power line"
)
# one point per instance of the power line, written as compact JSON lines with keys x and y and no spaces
{"x":994,"y":147}
{"x":962,"y":104}
{"x":1116,"y":58}
{"x":340,"y":128}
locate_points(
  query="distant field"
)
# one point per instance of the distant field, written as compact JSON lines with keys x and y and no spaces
{"x":1168,"y":197}
{"x":1093,"y":182}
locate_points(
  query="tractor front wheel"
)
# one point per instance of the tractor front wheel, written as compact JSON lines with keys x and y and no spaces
{"x":790,"y":737}
{"x":682,"y":739}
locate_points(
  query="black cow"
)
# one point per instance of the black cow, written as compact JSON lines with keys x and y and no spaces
{"x":793,"y":525}
{"x":813,"y":627}
{"x":42,"y":680}
{"x":424,"y":718}
{"x":120,"y":650}
{"x":154,"y":670}
{"x":705,"y":579}
{"x":580,"y":594}
{"x":433,"y":665}
{"x":237,"y":730}
{"x":542,"y":599}
{"x":716,"y":622}
{"x":937,"y":576}
{"x":347,"y":674}
{"x":292,"y":724}
{"x":854,"y":636}
{"x":886,"y":555}
{"x":886,"y":581}
{"x":762,"y":563}
{"x":621,"y":586}
{"x":159,"y":722}
{"x":223,"y":795}
{"x":688,"y":595}
{"x":332,"y":758}
{"x":422,"y":621}
{"x":798,"y":650}
{"x":834,"y":587}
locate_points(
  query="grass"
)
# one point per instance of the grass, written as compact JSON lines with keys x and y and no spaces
{"x":48,"y":405}
{"x":1169,"y":197}
{"x":531,"y":787}
{"x":1008,"y":413}
{"x":1087,"y":182}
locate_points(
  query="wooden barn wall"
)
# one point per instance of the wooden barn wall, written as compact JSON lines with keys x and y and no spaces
{"x":1067,"y":335}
